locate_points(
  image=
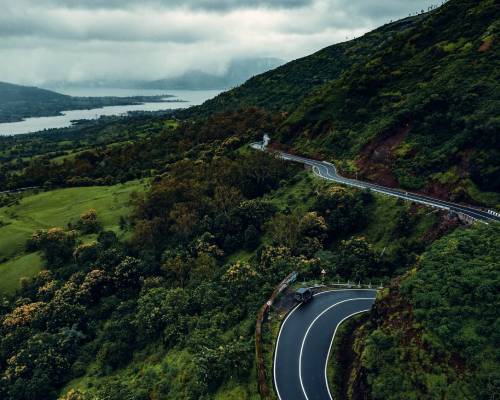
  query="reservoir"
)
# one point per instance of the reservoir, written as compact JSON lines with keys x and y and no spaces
{"x":189,"y":98}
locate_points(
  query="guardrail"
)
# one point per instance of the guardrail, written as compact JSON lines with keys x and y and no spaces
{"x":264,"y":390}
{"x":348,"y":285}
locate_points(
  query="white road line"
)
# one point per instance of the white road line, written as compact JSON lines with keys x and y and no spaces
{"x":386,"y":191}
{"x":330,"y":349}
{"x":283,"y":325}
{"x":307,"y":333}
{"x":277,"y":345}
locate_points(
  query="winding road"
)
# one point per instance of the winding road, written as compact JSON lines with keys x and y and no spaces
{"x":328,"y":171}
{"x":306,"y":335}
{"x":305,"y":339}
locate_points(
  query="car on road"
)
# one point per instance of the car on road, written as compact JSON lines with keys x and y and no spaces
{"x":303,"y":295}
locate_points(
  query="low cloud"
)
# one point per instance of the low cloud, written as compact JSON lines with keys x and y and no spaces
{"x":47,"y":40}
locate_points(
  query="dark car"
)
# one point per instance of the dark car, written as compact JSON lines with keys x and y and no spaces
{"x":303,"y":295}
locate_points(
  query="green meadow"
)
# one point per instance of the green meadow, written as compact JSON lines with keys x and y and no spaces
{"x":50,"y":209}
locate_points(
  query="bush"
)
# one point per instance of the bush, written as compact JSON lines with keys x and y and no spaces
{"x":88,"y":222}
{"x":56,"y":244}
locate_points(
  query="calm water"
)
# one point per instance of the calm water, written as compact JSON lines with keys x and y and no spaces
{"x":192,"y":98}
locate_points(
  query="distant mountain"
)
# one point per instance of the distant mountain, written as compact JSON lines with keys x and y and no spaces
{"x":237,"y":73}
{"x":19,"y":102}
{"x":17,"y":93}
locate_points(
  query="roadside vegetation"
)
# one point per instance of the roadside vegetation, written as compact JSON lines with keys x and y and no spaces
{"x":434,"y":331}
{"x":138,"y":269}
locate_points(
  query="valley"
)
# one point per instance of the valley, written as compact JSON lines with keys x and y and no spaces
{"x":138,"y":253}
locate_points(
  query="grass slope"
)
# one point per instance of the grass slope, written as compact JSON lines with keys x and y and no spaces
{"x":50,"y":209}
{"x":13,"y":270}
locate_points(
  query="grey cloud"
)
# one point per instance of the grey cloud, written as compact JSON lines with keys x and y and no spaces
{"x":45,"y":40}
{"x":215,"y":5}
{"x":112,"y":32}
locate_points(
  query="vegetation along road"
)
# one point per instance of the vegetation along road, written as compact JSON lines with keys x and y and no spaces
{"x":328,"y":171}
{"x":305,"y":339}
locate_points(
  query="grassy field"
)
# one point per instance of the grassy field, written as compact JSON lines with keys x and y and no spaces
{"x":49,"y":209}
{"x":15,"y":269}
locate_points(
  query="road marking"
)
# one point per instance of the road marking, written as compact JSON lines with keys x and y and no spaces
{"x":283,"y":325}
{"x":330,"y":349}
{"x":276,"y":348}
{"x":470,"y":212}
{"x":307,"y":333}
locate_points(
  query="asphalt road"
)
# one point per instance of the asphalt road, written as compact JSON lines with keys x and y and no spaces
{"x":329,"y":172}
{"x":304,"y":342}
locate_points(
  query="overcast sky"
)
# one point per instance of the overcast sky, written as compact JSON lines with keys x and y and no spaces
{"x":44,"y":40}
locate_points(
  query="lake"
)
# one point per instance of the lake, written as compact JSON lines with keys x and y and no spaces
{"x":29,"y":125}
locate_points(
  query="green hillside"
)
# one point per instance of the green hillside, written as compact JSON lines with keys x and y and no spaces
{"x":434,"y":334}
{"x":283,"y":88}
{"x":45,"y":210}
{"x":162,"y":303}
{"x":413,"y":104}
{"x":420,"y":111}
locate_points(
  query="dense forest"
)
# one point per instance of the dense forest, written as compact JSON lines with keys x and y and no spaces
{"x":437,"y":329}
{"x":156,"y":296}
{"x":208,"y":241}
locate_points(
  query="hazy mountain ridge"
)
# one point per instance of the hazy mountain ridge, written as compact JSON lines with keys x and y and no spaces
{"x":237,"y":73}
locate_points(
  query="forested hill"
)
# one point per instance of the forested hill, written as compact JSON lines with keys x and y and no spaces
{"x":10,"y":92}
{"x":413,"y":104}
{"x":283,"y":88}
{"x":18,"y":102}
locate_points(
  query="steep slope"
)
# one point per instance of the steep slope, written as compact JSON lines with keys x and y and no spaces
{"x":413,"y":104}
{"x":421,"y":111}
{"x":283,"y":88}
{"x":434,"y":333}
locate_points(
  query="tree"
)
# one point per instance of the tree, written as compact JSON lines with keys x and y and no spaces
{"x":87,"y":253}
{"x":176,"y":268}
{"x":251,"y":237}
{"x":56,"y":244}
{"x":343,"y":209}
{"x":241,"y":277}
{"x":88,"y":222}
{"x":161,"y":310}
{"x":302,"y":233}
{"x":357,"y":260}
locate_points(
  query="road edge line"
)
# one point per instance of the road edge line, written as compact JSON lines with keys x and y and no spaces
{"x":309,"y":328}
{"x":276,"y":348}
{"x":331,"y":345}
